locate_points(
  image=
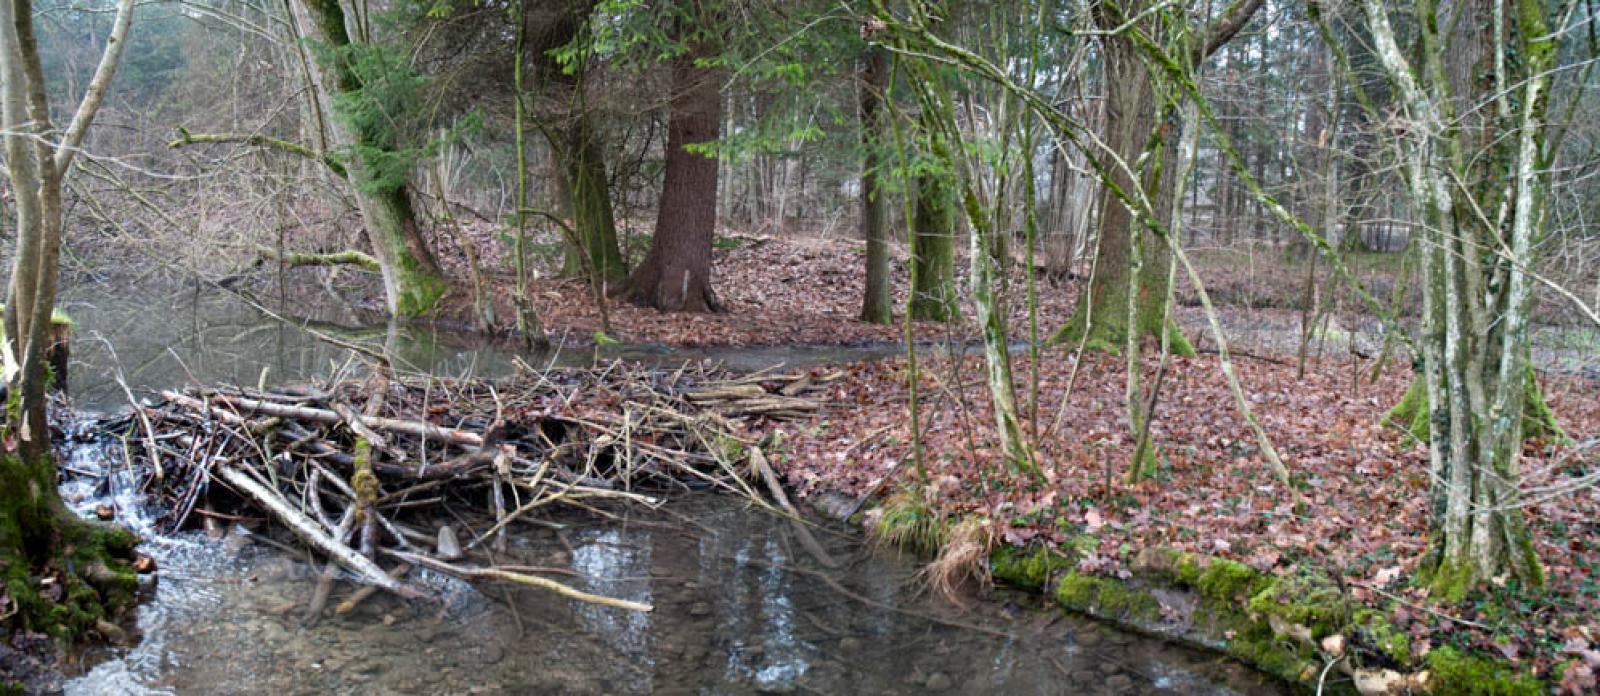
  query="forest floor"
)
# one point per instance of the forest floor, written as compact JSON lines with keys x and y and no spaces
{"x":1214,"y":493}
{"x":774,"y":291}
{"x":787,"y":290}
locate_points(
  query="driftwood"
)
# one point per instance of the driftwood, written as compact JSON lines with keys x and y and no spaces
{"x":474,"y":573}
{"x":317,"y":415}
{"x":360,"y":595}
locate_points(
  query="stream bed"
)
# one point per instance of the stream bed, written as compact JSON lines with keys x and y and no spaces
{"x":739,"y":607}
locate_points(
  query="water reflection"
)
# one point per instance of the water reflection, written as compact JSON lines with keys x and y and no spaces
{"x":737,"y":611}
{"x":163,"y":340}
{"x":612,"y":566}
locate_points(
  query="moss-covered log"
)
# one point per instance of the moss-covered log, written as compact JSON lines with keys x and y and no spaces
{"x":349,"y":257}
{"x":1273,"y":623}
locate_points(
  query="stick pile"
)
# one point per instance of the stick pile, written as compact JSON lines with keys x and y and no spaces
{"x":361,"y":471}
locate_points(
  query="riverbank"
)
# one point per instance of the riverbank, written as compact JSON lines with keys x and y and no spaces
{"x":679,"y":593}
{"x":1214,"y":496}
{"x":1110,"y":553}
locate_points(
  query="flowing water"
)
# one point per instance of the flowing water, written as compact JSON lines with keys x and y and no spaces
{"x":740,"y":608}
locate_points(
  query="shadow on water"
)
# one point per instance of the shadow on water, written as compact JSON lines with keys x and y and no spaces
{"x":738,"y":608}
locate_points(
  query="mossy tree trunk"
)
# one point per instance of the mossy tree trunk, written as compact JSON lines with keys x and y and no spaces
{"x":412,"y":280}
{"x":875,"y":301}
{"x":576,"y":141}
{"x":39,"y":537}
{"x":1472,"y":151}
{"x":588,"y":194}
{"x":1538,"y":419}
{"x":1101,"y":319}
{"x":935,"y":222}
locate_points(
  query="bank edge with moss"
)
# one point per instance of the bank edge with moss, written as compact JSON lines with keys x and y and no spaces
{"x":62,"y":576}
{"x":1280,"y":625}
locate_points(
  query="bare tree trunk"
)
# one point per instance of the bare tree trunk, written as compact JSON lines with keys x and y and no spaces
{"x":675,"y":275}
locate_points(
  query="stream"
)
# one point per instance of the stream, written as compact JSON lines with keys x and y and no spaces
{"x":740,"y":608}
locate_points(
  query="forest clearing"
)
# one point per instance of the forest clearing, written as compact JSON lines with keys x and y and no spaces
{"x":744,"y":346}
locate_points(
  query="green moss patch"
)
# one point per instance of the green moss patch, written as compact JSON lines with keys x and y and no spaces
{"x":62,"y":575}
{"x":1107,"y":598}
{"x":1454,"y":672}
{"x":1027,"y":569}
{"x":1374,"y":630}
{"x":1272,"y":623}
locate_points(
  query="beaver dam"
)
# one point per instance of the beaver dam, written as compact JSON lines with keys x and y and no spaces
{"x":360,"y":472}
{"x":623,"y":485}
{"x":570,"y":530}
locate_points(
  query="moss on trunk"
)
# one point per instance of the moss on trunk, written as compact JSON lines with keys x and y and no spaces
{"x":586,"y":188}
{"x":934,"y":224}
{"x":1108,"y":325}
{"x":1538,"y":419}
{"x":63,"y":575}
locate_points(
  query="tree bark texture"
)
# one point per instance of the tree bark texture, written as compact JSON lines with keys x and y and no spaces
{"x":1130,"y":122}
{"x":577,"y":143}
{"x":876,"y":302}
{"x":412,"y":280}
{"x":587,"y":189}
{"x":1474,"y":341}
{"x":935,"y":222}
{"x":675,"y":275}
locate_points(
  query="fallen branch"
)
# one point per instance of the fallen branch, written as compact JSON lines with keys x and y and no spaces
{"x":362,"y":593}
{"x":758,"y":461}
{"x":417,"y":428}
{"x":259,"y":140}
{"x":477,"y":573}
{"x":311,"y":532}
{"x":349,"y":257}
